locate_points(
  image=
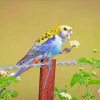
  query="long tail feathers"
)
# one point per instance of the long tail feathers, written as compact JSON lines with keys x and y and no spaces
{"x":21,"y":70}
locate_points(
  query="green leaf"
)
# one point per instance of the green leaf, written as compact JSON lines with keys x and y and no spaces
{"x":75,"y":79}
{"x":92,"y":61}
{"x":13,"y":93}
{"x":6,"y":81}
{"x":2,"y":95}
{"x":8,"y":93}
{"x":81,"y":78}
{"x":62,"y":98}
{"x":97,"y":63}
{"x":91,"y":81}
{"x":85,"y":60}
{"x":63,"y":90}
{"x":56,"y":91}
{"x":74,"y":98}
{"x":89,"y":95}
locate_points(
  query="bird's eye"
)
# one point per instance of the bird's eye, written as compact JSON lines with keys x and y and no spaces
{"x":65,"y":28}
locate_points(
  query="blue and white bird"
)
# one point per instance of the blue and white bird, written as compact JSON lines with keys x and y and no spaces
{"x":47,"y":46}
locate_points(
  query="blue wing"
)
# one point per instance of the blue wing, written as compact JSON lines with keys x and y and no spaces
{"x":37,"y":50}
{"x":48,"y":50}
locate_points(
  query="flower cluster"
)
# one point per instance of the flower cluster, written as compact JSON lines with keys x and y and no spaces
{"x":13,"y":73}
{"x":5,"y":73}
{"x":74,"y":43}
{"x":66,"y":95}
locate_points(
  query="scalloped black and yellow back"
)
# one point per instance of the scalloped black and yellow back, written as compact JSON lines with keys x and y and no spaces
{"x":48,"y":35}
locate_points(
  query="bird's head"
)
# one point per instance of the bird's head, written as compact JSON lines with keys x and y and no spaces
{"x":65,"y":31}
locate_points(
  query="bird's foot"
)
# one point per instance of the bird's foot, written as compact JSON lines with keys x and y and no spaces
{"x":67,"y":50}
{"x":48,"y":63}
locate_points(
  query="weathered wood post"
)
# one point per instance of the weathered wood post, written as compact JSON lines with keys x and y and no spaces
{"x":47,"y":92}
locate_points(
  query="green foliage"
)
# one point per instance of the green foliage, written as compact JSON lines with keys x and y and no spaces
{"x":92,"y":81}
{"x":86,"y":60}
{"x":6,"y":79}
{"x":13,"y":93}
{"x":74,"y":98}
{"x":6,"y":94}
{"x":92,"y":61}
{"x":88,"y":95}
{"x":81,"y":78}
{"x":58,"y":91}
{"x":84,"y":78}
{"x":63,"y":94}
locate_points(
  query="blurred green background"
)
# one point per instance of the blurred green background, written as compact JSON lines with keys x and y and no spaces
{"x":23,"y":21}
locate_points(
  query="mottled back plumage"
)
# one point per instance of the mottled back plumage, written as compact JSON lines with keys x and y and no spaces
{"x":47,"y":46}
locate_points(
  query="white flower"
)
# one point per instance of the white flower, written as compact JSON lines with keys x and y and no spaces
{"x":99,"y":91}
{"x":62,"y":94}
{"x":66,"y":95}
{"x":74,"y":43}
{"x":13,"y":73}
{"x":18,"y":77}
{"x":3,"y":73}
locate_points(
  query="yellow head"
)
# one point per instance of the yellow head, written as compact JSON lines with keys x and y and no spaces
{"x":63,"y":31}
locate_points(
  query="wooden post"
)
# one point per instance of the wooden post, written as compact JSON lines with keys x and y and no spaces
{"x":47,"y":92}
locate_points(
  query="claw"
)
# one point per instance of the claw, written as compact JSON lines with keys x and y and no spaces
{"x":67,"y":50}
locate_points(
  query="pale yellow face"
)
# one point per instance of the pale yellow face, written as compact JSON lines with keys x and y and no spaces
{"x":66,"y":31}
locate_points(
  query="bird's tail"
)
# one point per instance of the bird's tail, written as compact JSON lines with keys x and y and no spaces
{"x":22,"y":70}
{"x":19,"y":72}
{"x":25,"y":67}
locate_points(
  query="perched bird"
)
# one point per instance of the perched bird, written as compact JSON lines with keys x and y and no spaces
{"x":47,"y":46}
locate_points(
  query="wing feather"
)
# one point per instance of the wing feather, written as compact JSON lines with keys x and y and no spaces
{"x":37,"y":50}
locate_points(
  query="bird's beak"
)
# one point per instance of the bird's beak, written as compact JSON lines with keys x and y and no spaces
{"x":70,"y":33}
{"x":69,"y":36}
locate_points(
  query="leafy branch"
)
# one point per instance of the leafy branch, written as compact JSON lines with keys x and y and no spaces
{"x":6,"y":79}
{"x":84,"y":79}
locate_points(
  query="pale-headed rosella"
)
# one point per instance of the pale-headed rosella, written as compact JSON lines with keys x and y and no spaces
{"x":46,"y":47}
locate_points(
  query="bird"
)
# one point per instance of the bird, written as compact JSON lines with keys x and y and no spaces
{"x":45,"y":47}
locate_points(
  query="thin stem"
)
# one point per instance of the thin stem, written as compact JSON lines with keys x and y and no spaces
{"x":92,"y":68}
{"x":2,"y":90}
{"x":7,"y":96}
{"x":87,"y":93}
{"x":76,"y":89}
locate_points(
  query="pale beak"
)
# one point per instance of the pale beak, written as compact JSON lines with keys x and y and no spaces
{"x":70,"y":33}
{"x":69,"y":36}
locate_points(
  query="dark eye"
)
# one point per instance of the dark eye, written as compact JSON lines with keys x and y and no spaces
{"x":65,"y":28}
